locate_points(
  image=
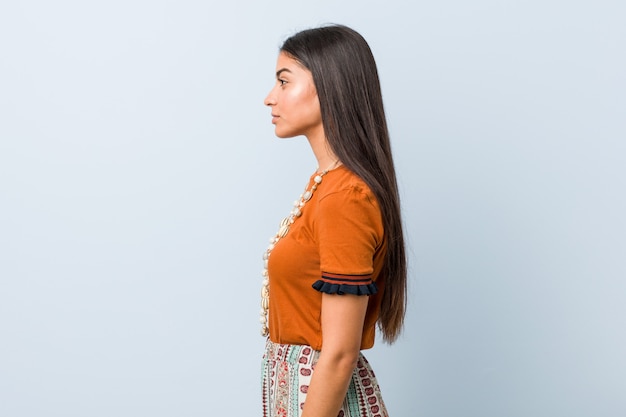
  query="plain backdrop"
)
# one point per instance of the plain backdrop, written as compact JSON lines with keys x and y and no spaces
{"x":140,"y":179}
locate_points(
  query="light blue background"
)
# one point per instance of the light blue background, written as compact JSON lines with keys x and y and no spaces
{"x":140,"y":178}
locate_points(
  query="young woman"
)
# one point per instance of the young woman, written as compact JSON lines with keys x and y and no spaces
{"x":336,"y":267}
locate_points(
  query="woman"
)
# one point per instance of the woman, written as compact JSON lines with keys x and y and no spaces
{"x":336,"y":268}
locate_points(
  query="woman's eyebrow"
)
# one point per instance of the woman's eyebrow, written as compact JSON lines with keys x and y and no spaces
{"x":280,"y":71}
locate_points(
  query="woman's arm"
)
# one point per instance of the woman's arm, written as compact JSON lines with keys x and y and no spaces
{"x":342,"y":328}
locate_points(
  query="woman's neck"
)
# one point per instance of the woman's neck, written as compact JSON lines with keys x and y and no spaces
{"x":326,"y":158}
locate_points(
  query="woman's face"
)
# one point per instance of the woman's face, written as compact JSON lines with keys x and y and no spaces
{"x":294,"y":102}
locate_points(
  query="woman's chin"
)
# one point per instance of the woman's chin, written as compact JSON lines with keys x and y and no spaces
{"x":283,"y":134}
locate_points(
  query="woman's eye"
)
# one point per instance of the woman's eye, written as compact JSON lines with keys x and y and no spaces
{"x":282,"y":82}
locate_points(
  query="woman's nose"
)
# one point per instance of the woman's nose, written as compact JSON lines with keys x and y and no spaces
{"x":270,"y":100}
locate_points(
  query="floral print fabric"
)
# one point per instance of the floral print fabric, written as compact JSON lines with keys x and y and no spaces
{"x":286,"y":375}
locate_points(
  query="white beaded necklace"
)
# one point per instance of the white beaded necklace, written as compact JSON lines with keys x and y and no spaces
{"x":282,"y":232}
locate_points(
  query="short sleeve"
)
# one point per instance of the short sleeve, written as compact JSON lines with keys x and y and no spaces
{"x":349,"y":232}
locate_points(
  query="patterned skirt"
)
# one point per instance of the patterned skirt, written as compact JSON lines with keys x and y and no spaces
{"x":286,"y":374}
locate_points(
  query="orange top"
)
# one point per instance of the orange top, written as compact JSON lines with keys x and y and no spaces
{"x":336,"y":246}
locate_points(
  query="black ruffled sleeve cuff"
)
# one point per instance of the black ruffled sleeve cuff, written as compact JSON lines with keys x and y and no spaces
{"x":341,"y":289}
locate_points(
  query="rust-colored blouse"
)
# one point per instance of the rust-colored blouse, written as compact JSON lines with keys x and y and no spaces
{"x":337,"y":246}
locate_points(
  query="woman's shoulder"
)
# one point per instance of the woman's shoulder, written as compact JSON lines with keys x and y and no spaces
{"x":347,"y":203}
{"x":341,"y":182}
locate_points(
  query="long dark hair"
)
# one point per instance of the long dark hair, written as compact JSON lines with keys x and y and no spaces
{"x":346,"y":79}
